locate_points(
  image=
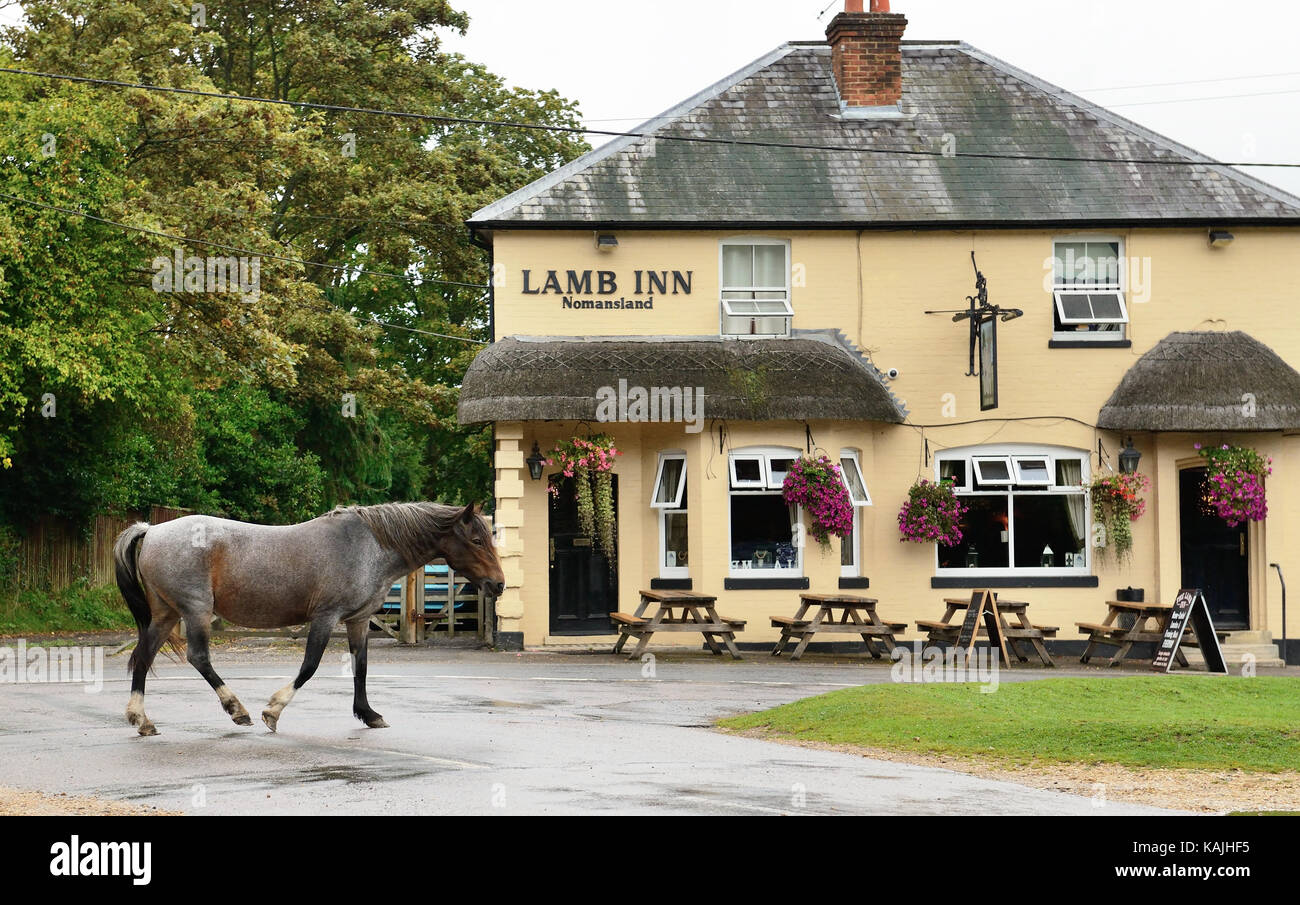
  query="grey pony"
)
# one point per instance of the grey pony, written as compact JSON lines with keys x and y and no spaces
{"x":332,"y":569}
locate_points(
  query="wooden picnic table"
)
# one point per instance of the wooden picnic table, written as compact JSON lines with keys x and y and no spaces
{"x":1113,"y":633}
{"x":1023,"y":631}
{"x":857,"y":617}
{"x":658,"y":612}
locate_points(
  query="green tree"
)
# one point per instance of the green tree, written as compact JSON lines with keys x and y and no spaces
{"x":345,"y":192}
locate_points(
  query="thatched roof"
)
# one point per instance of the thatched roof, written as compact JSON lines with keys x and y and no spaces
{"x":557,"y":378}
{"x":1200,"y":381}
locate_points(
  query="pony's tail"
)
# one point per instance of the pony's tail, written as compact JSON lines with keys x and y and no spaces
{"x":125,"y":551}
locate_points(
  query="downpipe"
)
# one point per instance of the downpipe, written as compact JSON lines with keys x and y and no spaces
{"x":1281,"y":579}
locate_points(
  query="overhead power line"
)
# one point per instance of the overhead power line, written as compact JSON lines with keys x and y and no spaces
{"x":696,"y":139}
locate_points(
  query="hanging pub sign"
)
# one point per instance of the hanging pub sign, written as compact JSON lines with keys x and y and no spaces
{"x":1190,"y":606}
{"x":982,"y":318}
{"x":988,"y":364}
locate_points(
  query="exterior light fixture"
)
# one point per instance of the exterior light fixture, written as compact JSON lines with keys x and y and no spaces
{"x":606,"y":242}
{"x":1129,"y":458}
{"x":1220,"y":238}
{"x":535,"y":463}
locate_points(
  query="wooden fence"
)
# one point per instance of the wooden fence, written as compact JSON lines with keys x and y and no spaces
{"x":54,"y":553}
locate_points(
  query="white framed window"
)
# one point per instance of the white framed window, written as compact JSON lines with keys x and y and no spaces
{"x":1088,"y":289}
{"x":669,"y":499}
{"x":764,"y":531}
{"x":1035,"y":523}
{"x":670,"y":481}
{"x":851,"y":545}
{"x":755,"y":280}
{"x":1033,"y":471}
{"x":992,"y":471}
{"x":748,"y":472}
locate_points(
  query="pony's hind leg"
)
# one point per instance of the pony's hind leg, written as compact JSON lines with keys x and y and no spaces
{"x":152,"y":640}
{"x":358,"y":638}
{"x":317,"y":638}
{"x":196,"y":635}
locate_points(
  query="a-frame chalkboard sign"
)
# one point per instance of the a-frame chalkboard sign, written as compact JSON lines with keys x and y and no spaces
{"x":1190,"y":606}
{"x":982,"y":603}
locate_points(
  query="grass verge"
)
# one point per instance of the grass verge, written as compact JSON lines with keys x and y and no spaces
{"x":1185,"y":722}
{"x":81,"y":608}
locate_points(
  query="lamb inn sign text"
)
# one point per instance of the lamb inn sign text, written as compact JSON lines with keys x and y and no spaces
{"x":596,"y":289}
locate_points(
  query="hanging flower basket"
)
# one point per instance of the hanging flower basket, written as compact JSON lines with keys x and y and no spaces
{"x":1234,"y":482}
{"x":816,"y":485}
{"x":1116,"y":504}
{"x":932,"y":514}
{"x":589,"y":461}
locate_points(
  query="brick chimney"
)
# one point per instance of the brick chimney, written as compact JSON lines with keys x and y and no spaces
{"x":866,"y":56}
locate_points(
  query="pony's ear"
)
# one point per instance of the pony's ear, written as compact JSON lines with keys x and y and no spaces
{"x":467,"y":516}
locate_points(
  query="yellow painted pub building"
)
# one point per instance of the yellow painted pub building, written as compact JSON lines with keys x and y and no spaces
{"x":785,"y":264}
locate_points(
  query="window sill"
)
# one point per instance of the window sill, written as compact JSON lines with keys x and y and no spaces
{"x":847,"y":583}
{"x":1089,"y":344}
{"x":671,"y":584}
{"x":765,"y":584}
{"x":1014,"y":581}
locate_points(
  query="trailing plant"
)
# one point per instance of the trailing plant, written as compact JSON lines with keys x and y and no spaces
{"x":931,"y":514}
{"x":816,"y":485}
{"x":1116,"y":503}
{"x":1234,"y":482}
{"x":589,"y":461}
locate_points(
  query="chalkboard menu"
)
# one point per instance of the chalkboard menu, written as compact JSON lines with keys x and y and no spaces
{"x":982,"y":603}
{"x":1190,"y":607}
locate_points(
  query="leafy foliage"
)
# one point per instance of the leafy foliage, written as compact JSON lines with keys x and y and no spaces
{"x":213,"y":400}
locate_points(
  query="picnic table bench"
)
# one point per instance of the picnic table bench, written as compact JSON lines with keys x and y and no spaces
{"x":1113,"y":633}
{"x":658,"y":612}
{"x":857,"y":617}
{"x":1022,"y":631}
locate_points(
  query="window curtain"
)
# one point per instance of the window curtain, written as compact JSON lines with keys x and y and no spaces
{"x":1071,"y":474}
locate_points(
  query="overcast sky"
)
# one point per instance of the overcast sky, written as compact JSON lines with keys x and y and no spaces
{"x":625,"y":61}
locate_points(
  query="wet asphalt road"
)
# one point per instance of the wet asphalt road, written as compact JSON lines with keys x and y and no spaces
{"x":479,"y":733}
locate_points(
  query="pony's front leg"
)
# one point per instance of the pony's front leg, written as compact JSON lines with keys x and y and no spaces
{"x":358,"y":641}
{"x":317,"y":639}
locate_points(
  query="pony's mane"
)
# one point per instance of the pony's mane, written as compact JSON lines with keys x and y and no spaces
{"x":410,"y":529}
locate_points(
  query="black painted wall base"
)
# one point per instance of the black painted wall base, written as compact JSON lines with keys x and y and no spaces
{"x":510,"y":640}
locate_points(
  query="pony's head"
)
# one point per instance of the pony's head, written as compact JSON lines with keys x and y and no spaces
{"x":469,"y":549}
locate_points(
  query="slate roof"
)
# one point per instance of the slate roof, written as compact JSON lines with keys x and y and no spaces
{"x":557,"y":378}
{"x":1199,"y":381}
{"x":953,"y":89}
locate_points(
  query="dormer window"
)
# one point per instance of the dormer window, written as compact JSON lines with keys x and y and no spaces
{"x":756,"y":288}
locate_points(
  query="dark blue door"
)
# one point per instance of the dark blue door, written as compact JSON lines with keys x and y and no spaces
{"x":584,"y":583}
{"x":1215,"y":556}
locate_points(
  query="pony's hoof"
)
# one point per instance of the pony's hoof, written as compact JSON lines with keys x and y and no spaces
{"x":243,"y":720}
{"x":377,"y":723}
{"x":270,"y":719}
{"x":147,"y":729}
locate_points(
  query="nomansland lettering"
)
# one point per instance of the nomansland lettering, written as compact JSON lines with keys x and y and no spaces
{"x":623,"y":304}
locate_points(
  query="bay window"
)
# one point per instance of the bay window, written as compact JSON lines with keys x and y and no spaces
{"x":1027,"y":510}
{"x":764,"y":541}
